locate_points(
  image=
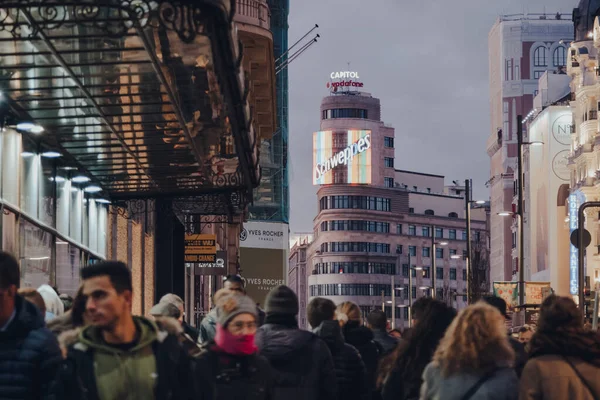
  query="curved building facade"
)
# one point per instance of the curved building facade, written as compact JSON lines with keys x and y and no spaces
{"x":376,"y":224}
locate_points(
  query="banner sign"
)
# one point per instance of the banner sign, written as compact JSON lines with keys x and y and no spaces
{"x":216,"y":267}
{"x":509,"y":292}
{"x":265,"y":235}
{"x":348,"y":152}
{"x":200,"y":248}
{"x":534,"y":292}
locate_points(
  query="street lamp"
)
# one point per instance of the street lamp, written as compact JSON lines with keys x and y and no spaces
{"x":521,"y":283}
{"x":468,"y":208}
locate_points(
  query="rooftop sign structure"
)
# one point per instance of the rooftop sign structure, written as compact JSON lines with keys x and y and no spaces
{"x":349,"y":80}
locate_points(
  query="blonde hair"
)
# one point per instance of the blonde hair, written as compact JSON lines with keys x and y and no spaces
{"x":475,"y":341}
{"x":347,"y":311}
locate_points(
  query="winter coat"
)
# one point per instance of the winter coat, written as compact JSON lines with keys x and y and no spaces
{"x":208,"y":327}
{"x":362,"y":337}
{"x":223,"y":376}
{"x":157,"y":367}
{"x":503,"y":385}
{"x":29,"y":356}
{"x":61,"y":324}
{"x":520,"y":355}
{"x":302,"y":363}
{"x":349,"y":368}
{"x":386,"y":342}
{"x":550,"y":377}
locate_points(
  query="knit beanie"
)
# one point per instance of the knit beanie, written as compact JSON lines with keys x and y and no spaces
{"x":282,"y":300}
{"x":231,"y":305}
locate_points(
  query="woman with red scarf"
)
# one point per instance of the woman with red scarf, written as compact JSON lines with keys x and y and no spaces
{"x":229,"y":367}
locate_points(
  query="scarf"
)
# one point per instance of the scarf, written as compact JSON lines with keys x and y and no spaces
{"x":568,"y":343}
{"x":237,"y":345}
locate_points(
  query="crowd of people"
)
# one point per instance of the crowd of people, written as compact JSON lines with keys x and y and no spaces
{"x":92,"y":347}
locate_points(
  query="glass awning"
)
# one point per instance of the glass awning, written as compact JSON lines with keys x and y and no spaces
{"x":147,"y":97}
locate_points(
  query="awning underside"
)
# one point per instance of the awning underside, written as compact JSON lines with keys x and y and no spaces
{"x":132,"y":95}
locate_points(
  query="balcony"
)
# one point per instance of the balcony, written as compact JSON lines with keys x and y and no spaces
{"x":253,"y":12}
{"x":586,"y":148}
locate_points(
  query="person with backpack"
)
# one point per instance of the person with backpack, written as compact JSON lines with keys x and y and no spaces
{"x":474,"y":360}
{"x":564,"y":358}
{"x":377,"y":322}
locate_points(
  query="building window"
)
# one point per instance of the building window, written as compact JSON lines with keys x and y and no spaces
{"x":477,"y":236}
{"x":539,"y":57}
{"x":346,"y":113}
{"x":414,"y":292}
{"x":413,"y":272}
{"x":405,"y":270}
{"x":514,"y":240}
{"x":452,"y":234}
{"x":388,"y":162}
{"x":452,"y":252}
{"x":559,"y":57}
{"x":464,"y":235}
{"x":429,"y":212}
{"x":464,"y":274}
{"x":357,"y":225}
{"x":426,"y":231}
{"x":453,"y":215}
{"x":399,"y":249}
{"x":324,"y":226}
{"x":464,"y":254}
{"x":388,"y":142}
{"x":406,"y":309}
{"x":399,"y":229}
{"x":388,"y":182}
{"x":355,"y":202}
{"x":412,"y":230}
{"x":538,"y":74}
{"x":426,"y":252}
{"x":439,"y":233}
{"x":426,"y":273}
{"x":358,"y":247}
{"x":412,"y":251}
{"x":439,"y":273}
{"x":428,"y":190}
{"x":439,"y":253}
{"x":452,"y":274}
{"x":440,"y":293}
{"x":411,"y":210}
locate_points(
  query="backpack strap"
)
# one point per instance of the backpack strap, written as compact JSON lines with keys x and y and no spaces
{"x":581,"y":378}
{"x":478,"y":385}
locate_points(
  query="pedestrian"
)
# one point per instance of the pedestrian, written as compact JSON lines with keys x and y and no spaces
{"x":350,"y":370}
{"x":564,"y":358}
{"x":400,"y":374}
{"x":377,"y":322}
{"x":119,"y":354}
{"x":518,"y":347}
{"x":230,"y":365}
{"x":416,"y":312}
{"x":396,"y":333}
{"x":238,"y":284}
{"x":474,"y":360}
{"x":525,"y":333}
{"x":67,"y":301}
{"x":72,"y":319}
{"x":208,"y":326}
{"x":178,"y":302}
{"x":350,"y":319}
{"x":54,"y":305}
{"x":302,"y":363}
{"x":29,"y":354}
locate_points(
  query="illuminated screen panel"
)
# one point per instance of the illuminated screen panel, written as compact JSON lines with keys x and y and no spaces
{"x":352,"y":156}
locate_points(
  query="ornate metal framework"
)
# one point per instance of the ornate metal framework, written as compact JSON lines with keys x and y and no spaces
{"x":144,"y":96}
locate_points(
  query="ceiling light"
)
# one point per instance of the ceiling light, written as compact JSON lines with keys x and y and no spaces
{"x":51,"y":154}
{"x":389,"y":302}
{"x":443,"y":243}
{"x":61,"y":242}
{"x":37,"y":129}
{"x":25,"y":126}
{"x":68,"y":168}
{"x":58,"y":179}
{"x":92,"y":189}
{"x":480,"y":202}
{"x":27,"y":154}
{"x":80,"y":179}
{"x":455,"y":256}
{"x":505,"y":213}
{"x":102,"y":201}
{"x":424,"y":287}
{"x":38,"y":258}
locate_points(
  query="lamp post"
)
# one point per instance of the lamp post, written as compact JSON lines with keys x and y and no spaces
{"x":468,"y":208}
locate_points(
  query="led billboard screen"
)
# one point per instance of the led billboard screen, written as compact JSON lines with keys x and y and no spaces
{"x":342,"y":157}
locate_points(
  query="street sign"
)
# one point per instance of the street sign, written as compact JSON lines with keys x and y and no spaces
{"x":587,"y":238}
{"x":200,"y":248}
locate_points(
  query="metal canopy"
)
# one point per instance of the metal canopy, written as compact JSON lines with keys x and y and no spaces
{"x":146,"y":96}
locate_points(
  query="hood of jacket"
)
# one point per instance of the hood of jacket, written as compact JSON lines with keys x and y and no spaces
{"x":53,"y":303}
{"x":92,"y":336}
{"x":357,"y":335}
{"x":27,"y":318}
{"x":331,"y":333}
{"x":277,"y":341}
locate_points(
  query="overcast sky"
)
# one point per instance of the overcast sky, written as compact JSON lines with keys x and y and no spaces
{"x":427,"y":60}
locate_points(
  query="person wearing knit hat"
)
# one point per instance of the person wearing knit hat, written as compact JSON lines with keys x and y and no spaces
{"x":235,"y":370}
{"x":301,"y":361}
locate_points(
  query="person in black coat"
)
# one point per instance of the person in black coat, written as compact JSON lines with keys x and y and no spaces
{"x":29,"y":353}
{"x":350,"y":319}
{"x":377,"y":322}
{"x":229,"y":367}
{"x":349,"y":368}
{"x":400,"y":374}
{"x":302,"y":363}
{"x":518,"y":347}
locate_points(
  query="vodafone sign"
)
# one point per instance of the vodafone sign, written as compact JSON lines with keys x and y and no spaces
{"x":344,"y":79}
